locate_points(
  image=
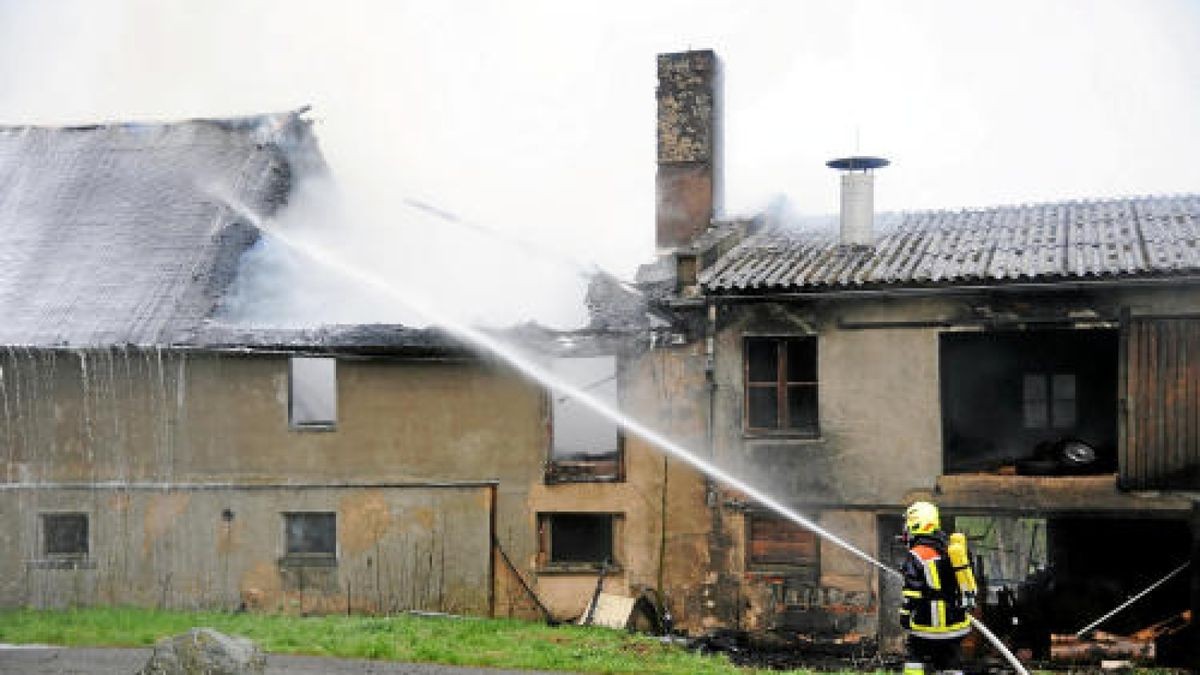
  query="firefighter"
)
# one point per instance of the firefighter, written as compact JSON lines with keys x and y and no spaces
{"x":934,"y":612}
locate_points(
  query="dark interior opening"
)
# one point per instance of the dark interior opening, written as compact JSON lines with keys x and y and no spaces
{"x":311,"y":534}
{"x":581,"y":538}
{"x":1094,"y":566}
{"x":65,"y":534}
{"x":1042,"y":402}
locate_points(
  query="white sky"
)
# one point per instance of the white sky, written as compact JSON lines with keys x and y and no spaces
{"x":537,"y":117}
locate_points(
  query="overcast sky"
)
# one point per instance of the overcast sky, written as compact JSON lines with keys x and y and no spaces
{"x":537,"y":118}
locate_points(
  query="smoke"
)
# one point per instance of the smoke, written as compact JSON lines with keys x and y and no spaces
{"x":475,"y":275}
{"x":535,"y":118}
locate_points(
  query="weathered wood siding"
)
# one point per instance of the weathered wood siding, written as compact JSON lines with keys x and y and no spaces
{"x":1160,"y":447}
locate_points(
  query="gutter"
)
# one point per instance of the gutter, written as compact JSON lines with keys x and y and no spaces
{"x":769,"y":295}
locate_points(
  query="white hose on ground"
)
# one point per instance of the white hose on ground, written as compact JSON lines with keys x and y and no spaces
{"x":1000,"y":646}
{"x":988,"y":635}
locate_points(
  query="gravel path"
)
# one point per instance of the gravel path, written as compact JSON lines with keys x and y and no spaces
{"x":28,"y":660}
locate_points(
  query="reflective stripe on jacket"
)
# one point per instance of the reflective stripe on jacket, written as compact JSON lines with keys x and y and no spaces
{"x":931,"y":606}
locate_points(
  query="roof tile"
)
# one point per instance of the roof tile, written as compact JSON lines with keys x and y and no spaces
{"x":1129,"y":237}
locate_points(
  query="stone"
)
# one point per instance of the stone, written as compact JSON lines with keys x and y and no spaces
{"x":204,"y":651}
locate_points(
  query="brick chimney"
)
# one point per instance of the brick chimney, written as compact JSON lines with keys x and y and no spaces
{"x":688,"y":181}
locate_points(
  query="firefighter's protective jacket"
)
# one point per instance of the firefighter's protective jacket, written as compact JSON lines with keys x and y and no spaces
{"x":932,"y":604}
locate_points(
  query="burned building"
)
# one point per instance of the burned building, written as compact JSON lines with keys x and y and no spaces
{"x":1031,"y":368}
{"x":155,"y":455}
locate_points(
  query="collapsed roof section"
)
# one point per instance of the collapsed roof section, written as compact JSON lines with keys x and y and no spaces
{"x":121,"y":233}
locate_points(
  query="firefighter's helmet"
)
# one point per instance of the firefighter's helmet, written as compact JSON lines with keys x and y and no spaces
{"x":921,"y":518}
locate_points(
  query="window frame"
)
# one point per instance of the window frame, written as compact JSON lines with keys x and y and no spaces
{"x":293,"y":424}
{"x":601,"y":468}
{"x":546,"y":544}
{"x":1051,"y":403}
{"x":781,"y":386}
{"x":44,"y":519}
{"x":307,"y":558}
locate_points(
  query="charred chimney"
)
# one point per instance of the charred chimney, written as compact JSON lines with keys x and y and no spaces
{"x":688,"y":179}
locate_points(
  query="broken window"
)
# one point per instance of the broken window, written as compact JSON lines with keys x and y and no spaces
{"x":65,"y":535}
{"x":585,"y":446}
{"x":1049,"y":401}
{"x":310,"y":536}
{"x":778,"y":544}
{"x":781,"y":384}
{"x":312,"y":392}
{"x":575,"y":539}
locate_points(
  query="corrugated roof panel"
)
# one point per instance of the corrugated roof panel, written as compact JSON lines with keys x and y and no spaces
{"x":1077,"y":239}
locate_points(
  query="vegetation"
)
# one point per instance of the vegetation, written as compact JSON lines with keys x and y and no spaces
{"x":458,"y":641}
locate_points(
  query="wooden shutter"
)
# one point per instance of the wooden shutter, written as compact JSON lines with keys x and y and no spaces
{"x":776,"y":541}
{"x":1160,"y":438}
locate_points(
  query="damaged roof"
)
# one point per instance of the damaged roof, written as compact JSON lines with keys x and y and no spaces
{"x":359,"y":338}
{"x":1061,"y":241}
{"x":114,"y":234}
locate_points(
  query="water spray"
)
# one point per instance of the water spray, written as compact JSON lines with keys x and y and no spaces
{"x":540,"y":374}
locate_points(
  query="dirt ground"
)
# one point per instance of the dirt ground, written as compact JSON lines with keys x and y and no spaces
{"x":60,"y":661}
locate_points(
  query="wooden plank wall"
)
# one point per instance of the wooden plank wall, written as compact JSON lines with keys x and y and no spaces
{"x":1160,"y":444}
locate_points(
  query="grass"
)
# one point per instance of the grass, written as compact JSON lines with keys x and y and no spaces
{"x":498,"y":643}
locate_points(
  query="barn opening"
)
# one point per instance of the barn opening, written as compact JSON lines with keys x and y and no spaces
{"x":1057,"y":575}
{"x":1037,"y":402}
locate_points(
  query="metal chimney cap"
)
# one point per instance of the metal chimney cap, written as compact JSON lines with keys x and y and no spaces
{"x":857,"y":163}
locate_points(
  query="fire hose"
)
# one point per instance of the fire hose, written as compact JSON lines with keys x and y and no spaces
{"x":988,"y":635}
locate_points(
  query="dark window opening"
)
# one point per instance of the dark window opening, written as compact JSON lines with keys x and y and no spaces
{"x":775,"y":544}
{"x":571,"y":540}
{"x":310,"y":536}
{"x":1033,"y":402}
{"x":65,"y":535}
{"x":781,"y":384}
{"x":584,"y":445}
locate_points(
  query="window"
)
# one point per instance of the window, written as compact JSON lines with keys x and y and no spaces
{"x":585,"y":446}
{"x":312,"y":392}
{"x":775,"y":544}
{"x":1048,"y":401}
{"x":310,"y":537}
{"x":65,"y":535}
{"x":570,"y":540}
{"x":781,"y":384}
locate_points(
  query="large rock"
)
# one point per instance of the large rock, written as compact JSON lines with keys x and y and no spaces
{"x":204,"y":651}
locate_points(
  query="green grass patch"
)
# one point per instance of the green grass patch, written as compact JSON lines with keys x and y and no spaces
{"x":498,"y":643}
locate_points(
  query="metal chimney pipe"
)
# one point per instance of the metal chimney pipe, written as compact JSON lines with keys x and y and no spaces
{"x":858,"y":198}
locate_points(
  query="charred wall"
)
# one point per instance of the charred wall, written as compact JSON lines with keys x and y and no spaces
{"x":879,"y":438}
{"x":662,"y":550}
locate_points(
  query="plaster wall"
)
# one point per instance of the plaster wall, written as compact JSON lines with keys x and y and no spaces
{"x":172,"y":419}
{"x":398,"y":548}
{"x":880,"y":442}
{"x":663,"y":522}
